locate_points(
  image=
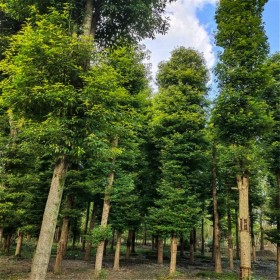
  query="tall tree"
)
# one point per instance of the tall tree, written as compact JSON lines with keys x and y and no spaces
{"x":239,"y":114}
{"x":177,"y":125}
{"x":44,"y":65}
{"x":271,"y":94}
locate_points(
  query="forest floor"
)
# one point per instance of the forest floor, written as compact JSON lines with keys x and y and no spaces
{"x":139,"y":267}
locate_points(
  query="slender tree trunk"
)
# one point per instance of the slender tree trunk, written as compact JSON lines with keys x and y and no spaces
{"x":278,"y":225}
{"x":153,"y":243}
{"x":202,"y":238}
{"x":86,"y":227}
{"x":244,"y":226}
{"x":216,"y":229}
{"x":182,"y":245}
{"x":230,"y":243}
{"x":254,"y":256}
{"x":43,"y":250}
{"x":19,"y":244}
{"x":160,"y":251}
{"x":133,"y":242}
{"x":128,"y":244}
{"x":262,"y":231}
{"x":118,"y":251}
{"x":7,"y":243}
{"x":192,"y":246}
{"x":237,"y":235}
{"x":105,"y":213}
{"x":62,"y":244}
{"x":145,"y":234}
{"x":91,"y":226}
{"x":1,"y":237}
{"x":173,"y":254}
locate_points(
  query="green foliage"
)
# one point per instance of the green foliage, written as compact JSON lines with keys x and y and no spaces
{"x":178,"y":132}
{"x":116,"y":22}
{"x":100,"y":233}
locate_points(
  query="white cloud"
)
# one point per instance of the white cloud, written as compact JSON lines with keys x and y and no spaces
{"x":185,"y":30}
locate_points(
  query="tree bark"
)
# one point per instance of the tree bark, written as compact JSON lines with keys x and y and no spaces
{"x":105,"y":213}
{"x":173,"y":255}
{"x":244,"y":226}
{"x":202,"y":238}
{"x":7,"y":243}
{"x":62,"y":244}
{"x":160,"y":251}
{"x":254,"y":256}
{"x":237,"y":235}
{"x":192,"y":246}
{"x":230,"y":243}
{"x":216,"y":229}
{"x":128,"y":244}
{"x":19,"y":244}
{"x":133,"y":242}
{"x":91,"y":226}
{"x":43,"y":250}
{"x":92,"y":16}
{"x":118,"y":251}
{"x":182,"y":245}
{"x":1,"y":237}
{"x":86,"y":227}
{"x":262,"y":231}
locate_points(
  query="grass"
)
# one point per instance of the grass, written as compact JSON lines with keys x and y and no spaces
{"x":214,"y":275}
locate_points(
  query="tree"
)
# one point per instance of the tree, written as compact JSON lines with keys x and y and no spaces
{"x":272,"y":144}
{"x":177,"y":125}
{"x":239,"y":114}
{"x":44,"y":65}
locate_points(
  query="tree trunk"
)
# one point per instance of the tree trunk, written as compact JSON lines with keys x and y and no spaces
{"x":202,"y":238}
{"x":182,"y":246}
{"x":160,"y":251}
{"x":133,"y":242}
{"x":118,"y":251}
{"x":262,"y":231}
{"x":92,"y":16}
{"x":216,"y":229}
{"x":1,"y":237}
{"x":91,"y":226}
{"x":62,"y":244}
{"x":105,"y":213}
{"x":7,"y":243}
{"x":105,"y":247}
{"x":43,"y":250}
{"x":153,"y":243}
{"x":237,"y":235}
{"x":254,"y":256}
{"x":86,"y":227}
{"x":173,"y":255}
{"x":145,"y":234}
{"x":19,"y":244}
{"x":128,"y":244}
{"x":244,"y":226}
{"x":192,"y":246}
{"x":230,"y":243}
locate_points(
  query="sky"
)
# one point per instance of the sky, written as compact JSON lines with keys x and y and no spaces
{"x":192,"y":24}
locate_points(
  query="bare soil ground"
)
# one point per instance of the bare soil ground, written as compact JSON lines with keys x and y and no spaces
{"x":139,"y":267}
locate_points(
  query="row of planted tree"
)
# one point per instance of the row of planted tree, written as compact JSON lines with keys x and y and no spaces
{"x":78,"y":115}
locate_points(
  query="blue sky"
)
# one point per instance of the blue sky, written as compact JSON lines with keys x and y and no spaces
{"x":192,"y":25}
